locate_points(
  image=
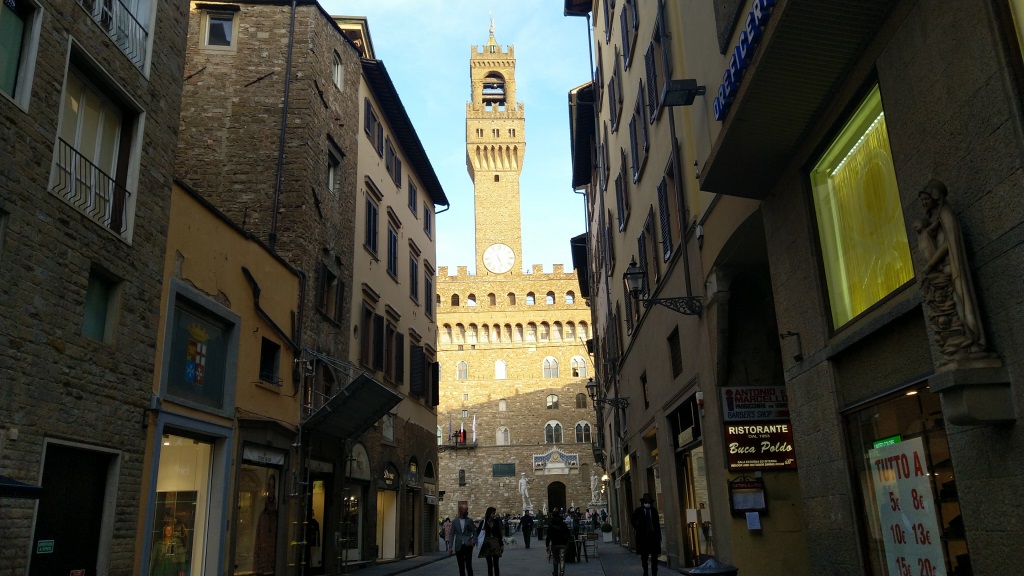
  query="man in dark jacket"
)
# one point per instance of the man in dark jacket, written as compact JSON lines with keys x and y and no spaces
{"x":647,"y":528}
{"x":526,"y":523}
{"x":557,"y":539}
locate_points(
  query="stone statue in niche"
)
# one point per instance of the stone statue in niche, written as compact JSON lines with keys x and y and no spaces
{"x":948,"y":289}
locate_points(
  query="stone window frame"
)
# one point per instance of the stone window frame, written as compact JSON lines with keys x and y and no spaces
{"x":583,"y":432}
{"x":550,"y":367}
{"x":338,"y":72}
{"x":502,"y":405}
{"x":552,"y":402}
{"x":503,"y":436}
{"x":578,"y":367}
{"x":462,"y":370}
{"x":502,"y":373}
{"x":224,"y":12}
{"x":556,"y":433}
{"x":33,"y":19}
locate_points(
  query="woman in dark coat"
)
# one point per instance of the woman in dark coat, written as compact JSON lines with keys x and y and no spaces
{"x":493,"y":546}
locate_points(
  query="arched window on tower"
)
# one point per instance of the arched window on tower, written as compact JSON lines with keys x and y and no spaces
{"x":511,"y":298}
{"x":491,"y":299}
{"x":570,"y":331}
{"x":550,"y":367}
{"x":519,"y":333}
{"x":545,"y":332}
{"x":503,"y":437}
{"x":570,"y":297}
{"x":552,"y":402}
{"x":460,"y":333}
{"x":550,"y":298}
{"x":583,"y":433}
{"x":471,"y":300}
{"x":507,"y":333}
{"x":500,"y":370}
{"x":462,"y":371}
{"x":530,"y":298}
{"x":553,"y":432}
{"x":471,"y":337}
{"x":502,"y":405}
{"x":583,"y":331}
{"x":578,"y":367}
{"x":485,"y":333}
{"x":455,"y":299}
{"x":494,"y":89}
{"x":581,"y":401}
{"x":446,"y":336}
{"x":531,"y":332}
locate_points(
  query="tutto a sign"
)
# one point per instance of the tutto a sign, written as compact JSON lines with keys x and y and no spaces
{"x":750,"y":37}
{"x":760,"y":446}
{"x":906,"y":509}
{"x":744,"y":404}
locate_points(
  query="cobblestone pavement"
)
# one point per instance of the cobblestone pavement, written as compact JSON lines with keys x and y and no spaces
{"x":611,"y":560}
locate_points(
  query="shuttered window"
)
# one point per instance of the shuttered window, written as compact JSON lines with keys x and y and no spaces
{"x":417,"y":383}
{"x":664,"y":220}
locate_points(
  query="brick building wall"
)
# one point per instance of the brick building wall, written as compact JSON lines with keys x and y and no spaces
{"x":58,"y":385}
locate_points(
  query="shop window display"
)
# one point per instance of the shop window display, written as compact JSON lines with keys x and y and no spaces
{"x":908,"y":487}
{"x":257,"y":520}
{"x":182,"y":507}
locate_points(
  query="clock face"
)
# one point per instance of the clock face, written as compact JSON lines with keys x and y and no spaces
{"x":499,"y":258}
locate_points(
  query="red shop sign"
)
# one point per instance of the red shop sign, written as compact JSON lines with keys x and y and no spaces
{"x":760,"y":446}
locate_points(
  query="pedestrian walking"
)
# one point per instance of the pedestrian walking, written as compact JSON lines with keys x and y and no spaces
{"x":647,"y":528}
{"x":447,"y":527}
{"x":557,"y":540}
{"x":493,"y":545}
{"x":526,"y":524}
{"x":463,"y":540}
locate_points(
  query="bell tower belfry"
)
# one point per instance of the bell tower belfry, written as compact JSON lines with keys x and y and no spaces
{"x":495,"y":145}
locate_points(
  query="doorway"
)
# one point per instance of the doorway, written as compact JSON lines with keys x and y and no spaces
{"x":693,"y":492}
{"x":73,"y":479}
{"x":556,"y":495}
{"x":387,"y":524}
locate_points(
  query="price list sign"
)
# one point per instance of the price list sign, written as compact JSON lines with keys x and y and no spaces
{"x":906,"y":509}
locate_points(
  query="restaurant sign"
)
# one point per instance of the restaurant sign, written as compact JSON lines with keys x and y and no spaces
{"x":760,"y":446}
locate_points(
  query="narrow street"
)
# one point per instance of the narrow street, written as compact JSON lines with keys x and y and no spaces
{"x":611,"y":560}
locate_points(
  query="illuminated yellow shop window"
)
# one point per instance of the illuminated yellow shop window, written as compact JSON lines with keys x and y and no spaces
{"x":1017,"y":11}
{"x":860,"y":218}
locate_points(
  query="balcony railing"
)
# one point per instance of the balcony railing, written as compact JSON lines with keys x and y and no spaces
{"x":89,"y":189}
{"x":120,"y":24}
{"x":453,"y":442}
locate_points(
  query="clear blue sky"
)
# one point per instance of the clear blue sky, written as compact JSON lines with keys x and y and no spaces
{"x":425,"y":45}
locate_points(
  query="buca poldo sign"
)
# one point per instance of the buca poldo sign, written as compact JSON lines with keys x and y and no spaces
{"x":760,"y":446}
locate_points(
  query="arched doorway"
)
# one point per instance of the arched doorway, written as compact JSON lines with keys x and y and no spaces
{"x":556,"y":495}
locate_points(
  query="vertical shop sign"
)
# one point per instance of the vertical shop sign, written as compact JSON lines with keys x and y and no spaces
{"x":906,"y":508}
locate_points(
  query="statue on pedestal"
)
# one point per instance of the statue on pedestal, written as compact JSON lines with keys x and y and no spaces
{"x":524,"y":490}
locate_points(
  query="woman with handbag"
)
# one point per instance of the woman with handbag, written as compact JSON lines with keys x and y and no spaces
{"x":493,"y":545}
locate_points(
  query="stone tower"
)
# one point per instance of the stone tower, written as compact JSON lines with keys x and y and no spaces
{"x":512,"y":339}
{"x":495,"y":145}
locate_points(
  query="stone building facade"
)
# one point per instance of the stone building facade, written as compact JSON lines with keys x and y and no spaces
{"x":850,"y":216}
{"x":89,"y":100}
{"x":289,"y":126}
{"x":512,"y":343}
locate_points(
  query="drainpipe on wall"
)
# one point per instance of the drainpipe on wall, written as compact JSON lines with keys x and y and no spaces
{"x":272,"y":241}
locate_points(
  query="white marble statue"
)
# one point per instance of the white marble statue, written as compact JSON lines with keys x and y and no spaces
{"x":595,"y":488}
{"x":524,"y":490}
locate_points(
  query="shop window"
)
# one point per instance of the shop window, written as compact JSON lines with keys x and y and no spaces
{"x":183,"y":503}
{"x":257,"y":513}
{"x":860,"y":218}
{"x":908,"y":490}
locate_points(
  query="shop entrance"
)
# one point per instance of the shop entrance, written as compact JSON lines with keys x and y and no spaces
{"x":73,"y":479}
{"x":693,"y":493}
{"x":556,"y":495}
{"x":387,"y":524}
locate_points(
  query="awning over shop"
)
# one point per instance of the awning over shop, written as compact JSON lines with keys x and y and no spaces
{"x":11,"y":488}
{"x":354,"y":409}
{"x":808,"y":50}
{"x":578,"y":248}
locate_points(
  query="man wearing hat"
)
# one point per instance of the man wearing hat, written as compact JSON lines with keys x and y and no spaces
{"x":647,"y":528}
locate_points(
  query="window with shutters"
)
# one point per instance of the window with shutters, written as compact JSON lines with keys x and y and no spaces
{"x":615,"y":92}
{"x":371,"y":353}
{"x":417,"y":372}
{"x":669,"y":212}
{"x":599,"y":74}
{"x":622,"y":202}
{"x":602,"y":161}
{"x":628,"y":24}
{"x":394,"y":356}
{"x":638,"y":143}
{"x":392,"y":252}
{"x":630,"y":317}
{"x":372,"y":127}
{"x":653,"y":87}
{"x":647,"y":255}
{"x":607,"y":13}
{"x":370,"y":232}
{"x":414,"y":278}
{"x":609,"y":245}
{"x":675,"y":353}
{"x":428,"y":292}
{"x":657,"y":64}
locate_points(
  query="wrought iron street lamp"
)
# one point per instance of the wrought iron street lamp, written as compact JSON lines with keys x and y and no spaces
{"x":634,"y":279}
{"x":593,"y":393}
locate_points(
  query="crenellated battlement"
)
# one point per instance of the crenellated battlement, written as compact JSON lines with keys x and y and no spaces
{"x":509,"y":50}
{"x":534,"y":273}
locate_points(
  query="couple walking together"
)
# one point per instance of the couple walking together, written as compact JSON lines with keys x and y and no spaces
{"x":464,"y":539}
